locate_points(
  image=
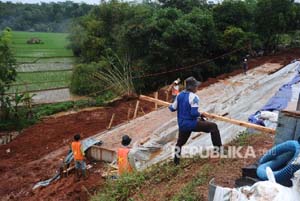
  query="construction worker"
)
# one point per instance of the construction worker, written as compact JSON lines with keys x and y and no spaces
{"x":245,"y":65}
{"x":189,"y":119}
{"x":126,"y":163}
{"x":175,"y":89}
{"x":78,"y":154}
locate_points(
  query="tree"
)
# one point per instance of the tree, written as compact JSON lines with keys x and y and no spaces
{"x":273,"y":17}
{"x":235,"y":13}
{"x":41,"y":17}
{"x":184,"y":5}
{"x":7,"y":70}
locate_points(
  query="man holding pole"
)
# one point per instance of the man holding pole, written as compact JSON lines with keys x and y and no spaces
{"x":190,"y":120}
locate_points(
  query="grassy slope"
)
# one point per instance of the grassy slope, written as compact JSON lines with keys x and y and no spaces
{"x":187,"y":182}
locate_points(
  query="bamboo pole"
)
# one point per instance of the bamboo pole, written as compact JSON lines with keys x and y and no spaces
{"x":217,"y":117}
{"x":136,"y":109}
{"x":111,"y":121}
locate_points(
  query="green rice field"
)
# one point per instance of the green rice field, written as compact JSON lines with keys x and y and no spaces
{"x":41,"y":66}
{"x":54,"y":45}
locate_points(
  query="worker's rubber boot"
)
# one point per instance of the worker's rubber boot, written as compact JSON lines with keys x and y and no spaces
{"x":84,"y":173}
{"x":176,"y":160}
{"x":77,"y":174}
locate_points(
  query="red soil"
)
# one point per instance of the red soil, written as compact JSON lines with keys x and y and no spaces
{"x":31,"y":157}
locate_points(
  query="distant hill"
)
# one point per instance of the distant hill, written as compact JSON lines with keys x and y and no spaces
{"x":44,"y":17}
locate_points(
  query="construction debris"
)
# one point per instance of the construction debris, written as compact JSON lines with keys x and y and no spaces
{"x":86,"y":144}
{"x":263,"y":190}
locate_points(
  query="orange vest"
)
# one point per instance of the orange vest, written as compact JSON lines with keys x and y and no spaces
{"x":76,"y":149}
{"x":175,"y":90}
{"x":123,"y":163}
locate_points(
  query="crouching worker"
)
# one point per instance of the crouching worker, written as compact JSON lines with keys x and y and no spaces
{"x":189,"y":119}
{"x":126,"y":163}
{"x":78,"y":153}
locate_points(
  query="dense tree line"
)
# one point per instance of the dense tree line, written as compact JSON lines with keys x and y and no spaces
{"x":151,"y":38}
{"x":44,"y":17}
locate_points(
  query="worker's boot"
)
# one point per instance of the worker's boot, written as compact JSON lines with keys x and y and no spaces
{"x":176,"y":160}
{"x":77,"y":175}
{"x":84,"y":173}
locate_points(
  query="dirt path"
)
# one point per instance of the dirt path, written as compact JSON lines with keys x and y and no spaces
{"x":54,"y":96}
{"x":38,"y":151}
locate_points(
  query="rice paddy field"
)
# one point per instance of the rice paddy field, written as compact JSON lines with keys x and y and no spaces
{"x":43,"y":66}
{"x":53,"y":45}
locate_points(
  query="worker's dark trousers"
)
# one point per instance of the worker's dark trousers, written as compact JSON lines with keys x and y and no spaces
{"x":202,"y":126}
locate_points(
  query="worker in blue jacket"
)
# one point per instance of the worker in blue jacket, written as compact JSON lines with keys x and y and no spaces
{"x":189,"y":119}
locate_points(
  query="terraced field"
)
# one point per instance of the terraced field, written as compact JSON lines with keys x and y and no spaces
{"x":43,"y":66}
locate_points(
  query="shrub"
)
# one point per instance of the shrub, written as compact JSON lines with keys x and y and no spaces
{"x":83,"y":82}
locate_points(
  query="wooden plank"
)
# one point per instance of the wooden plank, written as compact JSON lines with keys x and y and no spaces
{"x":239,"y":123}
{"x":102,"y":154}
{"x":217,"y":117}
{"x":291,"y":113}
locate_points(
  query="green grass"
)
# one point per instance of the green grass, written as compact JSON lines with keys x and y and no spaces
{"x":127,"y":185}
{"x":51,"y":55}
{"x":242,"y":138}
{"x":189,"y":191}
{"x":41,"y":80}
{"x":54,"y":45}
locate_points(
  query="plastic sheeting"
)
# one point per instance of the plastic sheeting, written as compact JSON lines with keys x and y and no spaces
{"x":86,"y":144}
{"x":279,"y":101}
{"x":238,"y":96}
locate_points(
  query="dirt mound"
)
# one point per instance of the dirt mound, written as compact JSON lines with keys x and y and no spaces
{"x":32,"y":157}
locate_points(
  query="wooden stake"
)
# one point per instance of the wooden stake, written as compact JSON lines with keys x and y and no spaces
{"x":111,"y":121}
{"x":217,"y":117}
{"x":144,"y":140}
{"x":167,"y":95}
{"x":156,"y":97}
{"x":136,"y":109}
{"x":143,"y":111}
{"x":128,"y":114}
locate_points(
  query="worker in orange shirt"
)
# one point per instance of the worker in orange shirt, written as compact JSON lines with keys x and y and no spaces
{"x":78,"y":154}
{"x":175,"y":89}
{"x":126,"y":163}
